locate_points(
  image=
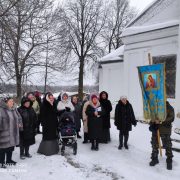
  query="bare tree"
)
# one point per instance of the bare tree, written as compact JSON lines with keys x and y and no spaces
{"x":84,"y":20}
{"x":119,"y":15}
{"x":6,"y":6}
{"x":23,"y":34}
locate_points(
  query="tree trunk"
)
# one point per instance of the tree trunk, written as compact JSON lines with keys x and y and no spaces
{"x":18,"y":88}
{"x":81,"y":76}
{"x":45,"y":79}
{"x":46,"y":68}
{"x":46,"y":71}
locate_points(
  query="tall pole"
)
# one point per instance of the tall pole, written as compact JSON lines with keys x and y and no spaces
{"x":158,"y":132}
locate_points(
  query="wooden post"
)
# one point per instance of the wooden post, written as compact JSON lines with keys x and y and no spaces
{"x":158,"y":133}
{"x":150,"y":58}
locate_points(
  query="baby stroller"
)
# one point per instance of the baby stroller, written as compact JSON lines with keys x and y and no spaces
{"x":67,"y":132}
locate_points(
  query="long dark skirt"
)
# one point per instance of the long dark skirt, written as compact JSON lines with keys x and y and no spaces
{"x":48,"y":147}
{"x":105,"y":136}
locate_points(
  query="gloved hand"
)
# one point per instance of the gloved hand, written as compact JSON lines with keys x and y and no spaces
{"x":153,"y":127}
{"x":68,"y":109}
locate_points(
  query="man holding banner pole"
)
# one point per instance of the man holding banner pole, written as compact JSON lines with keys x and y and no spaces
{"x":164,"y":129}
{"x":157,"y":110}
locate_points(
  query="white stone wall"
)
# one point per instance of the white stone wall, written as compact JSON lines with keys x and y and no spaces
{"x":111,"y":79}
{"x":177,"y":122}
{"x":136,"y":54}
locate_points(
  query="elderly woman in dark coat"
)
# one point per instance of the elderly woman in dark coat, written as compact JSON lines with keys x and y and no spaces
{"x":106,"y":104}
{"x":77,"y":114}
{"x":49,"y":144}
{"x":124,"y":119}
{"x":10,"y":123}
{"x":29,"y":118}
{"x":94,"y":112}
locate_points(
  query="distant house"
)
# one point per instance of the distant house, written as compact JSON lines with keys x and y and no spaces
{"x":156,"y":31}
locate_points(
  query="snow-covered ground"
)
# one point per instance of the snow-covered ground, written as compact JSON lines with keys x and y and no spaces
{"x":108,"y":163}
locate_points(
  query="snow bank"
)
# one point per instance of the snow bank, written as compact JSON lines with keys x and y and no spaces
{"x":108,"y":163}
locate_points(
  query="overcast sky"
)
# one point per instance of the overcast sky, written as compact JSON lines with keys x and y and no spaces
{"x":140,"y":4}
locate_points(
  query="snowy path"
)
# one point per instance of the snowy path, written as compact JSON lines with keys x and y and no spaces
{"x":108,"y":163}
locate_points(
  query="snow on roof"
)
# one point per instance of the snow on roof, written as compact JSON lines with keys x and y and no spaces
{"x":142,"y":13}
{"x":114,"y":55}
{"x":141,"y":29}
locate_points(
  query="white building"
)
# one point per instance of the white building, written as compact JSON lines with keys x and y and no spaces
{"x":153,"y":31}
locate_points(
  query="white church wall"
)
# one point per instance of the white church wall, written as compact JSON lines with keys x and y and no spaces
{"x":177,"y":122}
{"x":112,"y":80}
{"x":132,"y":59}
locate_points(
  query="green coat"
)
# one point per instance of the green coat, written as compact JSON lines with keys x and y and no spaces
{"x":166,"y":126}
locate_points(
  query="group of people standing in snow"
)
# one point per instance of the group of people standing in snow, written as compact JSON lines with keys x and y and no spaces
{"x":18,"y":126}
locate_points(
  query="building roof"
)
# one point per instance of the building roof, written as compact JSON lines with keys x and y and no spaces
{"x":142,"y":13}
{"x":114,"y":56}
{"x":146,"y":28}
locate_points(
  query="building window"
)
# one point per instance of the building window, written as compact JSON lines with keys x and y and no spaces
{"x":170,"y":64}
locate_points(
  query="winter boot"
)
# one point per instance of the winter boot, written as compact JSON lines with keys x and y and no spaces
{"x":120,"y":142}
{"x":93,"y":145}
{"x":9,"y":160}
{"x":169,"y":163}
{"x":2,"y":159}
{"x":154,"y":162}
{"x":85,"y":138}
{"x":27,"y":152}
{"x":3,"y":166}
{"x":22,"y":156}
{"x":126,"y":137}
{"x":97,"y":146}
{"x":169,"y":166}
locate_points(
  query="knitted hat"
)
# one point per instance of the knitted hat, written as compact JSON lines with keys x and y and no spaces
{"x":123,"y":97}
{"x":94,"y":96}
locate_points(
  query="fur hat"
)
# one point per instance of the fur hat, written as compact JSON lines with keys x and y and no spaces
{"x":6,"y":99}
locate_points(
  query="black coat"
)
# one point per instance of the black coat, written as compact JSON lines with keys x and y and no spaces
{"x":49,"y":120}
{"x":94,"y":124}
{"x":29,"y":118}
{"x":77,"y":115}
{"x":124,"y":116}
{"x":107,"y":107}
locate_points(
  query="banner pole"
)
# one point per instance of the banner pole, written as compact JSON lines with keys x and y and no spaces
{"x":158,"y":132}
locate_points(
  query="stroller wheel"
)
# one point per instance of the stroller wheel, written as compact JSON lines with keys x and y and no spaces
{"x":75,"y":149}
{"x":62,"y":150}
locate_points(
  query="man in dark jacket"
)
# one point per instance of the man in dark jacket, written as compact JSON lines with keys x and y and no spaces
{"x":124,"y":118}
{"x":165,"y":133}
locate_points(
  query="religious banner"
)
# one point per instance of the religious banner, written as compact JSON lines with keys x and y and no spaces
{"x":152,"y":81}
